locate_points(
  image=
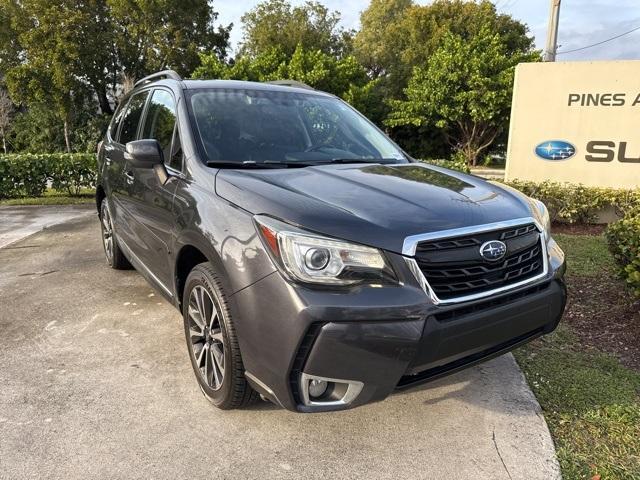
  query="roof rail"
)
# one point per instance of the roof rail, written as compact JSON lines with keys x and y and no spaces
{"x":291,"y":83}
{"x":158,"y":76}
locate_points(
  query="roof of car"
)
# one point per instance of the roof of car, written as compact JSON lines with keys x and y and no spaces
{"x":243,"y":85}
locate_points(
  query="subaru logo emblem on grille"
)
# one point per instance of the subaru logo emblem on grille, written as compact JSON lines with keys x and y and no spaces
{"x":493,"y":250}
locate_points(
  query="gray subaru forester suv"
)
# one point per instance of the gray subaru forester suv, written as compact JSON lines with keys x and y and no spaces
{"x":313,"y":261}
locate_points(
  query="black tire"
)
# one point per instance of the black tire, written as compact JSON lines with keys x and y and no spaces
{"x":115,"y":257}
{"x":232,"y":390}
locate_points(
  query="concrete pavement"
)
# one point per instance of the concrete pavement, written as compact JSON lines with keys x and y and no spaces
{"x":21,"y":221}
{"x":95,"y":382}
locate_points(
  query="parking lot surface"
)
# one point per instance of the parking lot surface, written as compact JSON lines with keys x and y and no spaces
{"x":95,"y":382}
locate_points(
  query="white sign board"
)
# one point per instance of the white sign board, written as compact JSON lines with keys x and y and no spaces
{"x":576,"y":122}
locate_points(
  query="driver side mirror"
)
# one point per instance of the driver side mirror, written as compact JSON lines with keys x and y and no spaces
{"x":144,"y":153}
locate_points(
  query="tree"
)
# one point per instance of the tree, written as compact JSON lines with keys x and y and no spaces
{"x":6,"y":113}
{"x":397,"y":36}
{"x":379,"y":42}
{"x":68,"y":54}
{"x":155,"y":35}
{"x":464,"y":90}
{"x":276,"y":24}
{"x":313,"y":67}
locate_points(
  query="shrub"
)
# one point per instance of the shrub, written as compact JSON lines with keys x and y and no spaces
{"x":576,"y":203}
{"x":624,"y":242}
{"x":27,"y":175}
{"x":453,"y":164}
{"x":74,"y":172}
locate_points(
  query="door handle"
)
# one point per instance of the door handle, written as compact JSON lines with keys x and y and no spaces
{"x":129,"y":176}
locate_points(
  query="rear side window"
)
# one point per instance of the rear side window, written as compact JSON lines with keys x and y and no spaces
{"x":117,"y":118}
{"x":160,"y":121}
{"x":132,"y":117}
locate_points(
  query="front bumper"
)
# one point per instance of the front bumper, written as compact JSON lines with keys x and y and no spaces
{"x":381,"y":339}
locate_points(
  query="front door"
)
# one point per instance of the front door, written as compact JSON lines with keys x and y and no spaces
{"x":119,"y":179}
{"x":150,"y":199}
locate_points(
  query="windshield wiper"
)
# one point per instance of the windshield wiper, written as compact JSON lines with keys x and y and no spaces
{"x":357,"y":160}
{"x":244,"y":165}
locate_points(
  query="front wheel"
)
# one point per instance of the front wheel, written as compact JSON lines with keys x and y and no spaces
{"x":212,"y":341}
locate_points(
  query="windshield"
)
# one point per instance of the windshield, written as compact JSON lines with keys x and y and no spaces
{"x":258,"y":126}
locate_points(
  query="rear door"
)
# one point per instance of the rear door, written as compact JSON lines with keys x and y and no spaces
{"x":150,"y":198}
{"x":119,"y":180}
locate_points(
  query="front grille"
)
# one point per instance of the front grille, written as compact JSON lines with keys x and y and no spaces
{"x":407,"y":381}
{"x":454,"y":267}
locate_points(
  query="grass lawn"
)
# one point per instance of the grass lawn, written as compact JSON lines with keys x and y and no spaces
{"x":53,"y":197}
{"x":590,"y":400}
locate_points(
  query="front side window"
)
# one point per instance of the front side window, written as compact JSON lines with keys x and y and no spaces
{"x":132,"y":117}
{"x":241,"y":125}
{"x":160,"y":121}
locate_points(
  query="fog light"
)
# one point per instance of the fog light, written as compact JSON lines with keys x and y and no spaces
{"x":318,"y":391}
{"x":317,"y":258}
{"x":317,"y":388}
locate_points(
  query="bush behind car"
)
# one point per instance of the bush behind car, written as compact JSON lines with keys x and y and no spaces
{"x":28,"y":174}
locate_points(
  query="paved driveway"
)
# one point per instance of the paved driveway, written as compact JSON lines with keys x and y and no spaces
{"x":95,"y":382}
{"x":21,"y":221}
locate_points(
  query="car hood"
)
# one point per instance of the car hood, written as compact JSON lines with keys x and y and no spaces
{"x":372,"y":204}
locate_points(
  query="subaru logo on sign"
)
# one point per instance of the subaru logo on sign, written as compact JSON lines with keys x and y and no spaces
{"x":493,"y":250}
{"x":555,"y":150}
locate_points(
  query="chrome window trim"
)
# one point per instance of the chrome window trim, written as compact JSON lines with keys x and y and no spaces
{"x":411,"y":243}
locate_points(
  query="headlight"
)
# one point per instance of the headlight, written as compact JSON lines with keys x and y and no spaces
{"x":313,"y":258}
{"x":541,"y":214}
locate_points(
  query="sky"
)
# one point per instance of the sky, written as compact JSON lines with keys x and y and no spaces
{"x":582,"y":22}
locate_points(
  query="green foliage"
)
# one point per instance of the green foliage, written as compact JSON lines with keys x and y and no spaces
{"x":465,"y":90}
{"x":591,"y":405}
{"x":54,"y":197}
{"x":151,"y":36}
{"x":396,"y":36}
{"x":278,"y":24}
{"x":589,"y":255}
{"x":340,"y":76}
{"x":624,"y":242}
{"x":453,"y":164}
{"x":575,"y":203}
{"x":37,"y":130}
{"x":71,"y":57}
{"x":27,"y":175}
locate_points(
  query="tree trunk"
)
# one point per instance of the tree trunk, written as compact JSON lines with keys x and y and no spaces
{"x":105,"y":106}
{"x":4,"y":140}
{"x":66,"y":136}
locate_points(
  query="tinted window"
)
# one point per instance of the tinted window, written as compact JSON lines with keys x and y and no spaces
{"x":256,"y":125}
{"x":132,"y":117}
{"x":160,"y":121}
{"x":117,"y":118}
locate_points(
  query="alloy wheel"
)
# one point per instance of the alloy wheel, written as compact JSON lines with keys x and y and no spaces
{"x":107,"y":234}
{"x":205,"y":335}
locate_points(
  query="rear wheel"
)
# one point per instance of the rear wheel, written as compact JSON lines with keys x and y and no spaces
{"x":115,"y":257}
{"x":212,"y":341}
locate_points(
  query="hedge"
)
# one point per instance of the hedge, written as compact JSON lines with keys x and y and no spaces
{"x":624,"y":242}
{"x":454,"y":164}
{"x":575,"y":203}
{"x":27,"y":175}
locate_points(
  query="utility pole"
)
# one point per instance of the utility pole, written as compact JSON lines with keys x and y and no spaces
{"x":552,"y":33}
